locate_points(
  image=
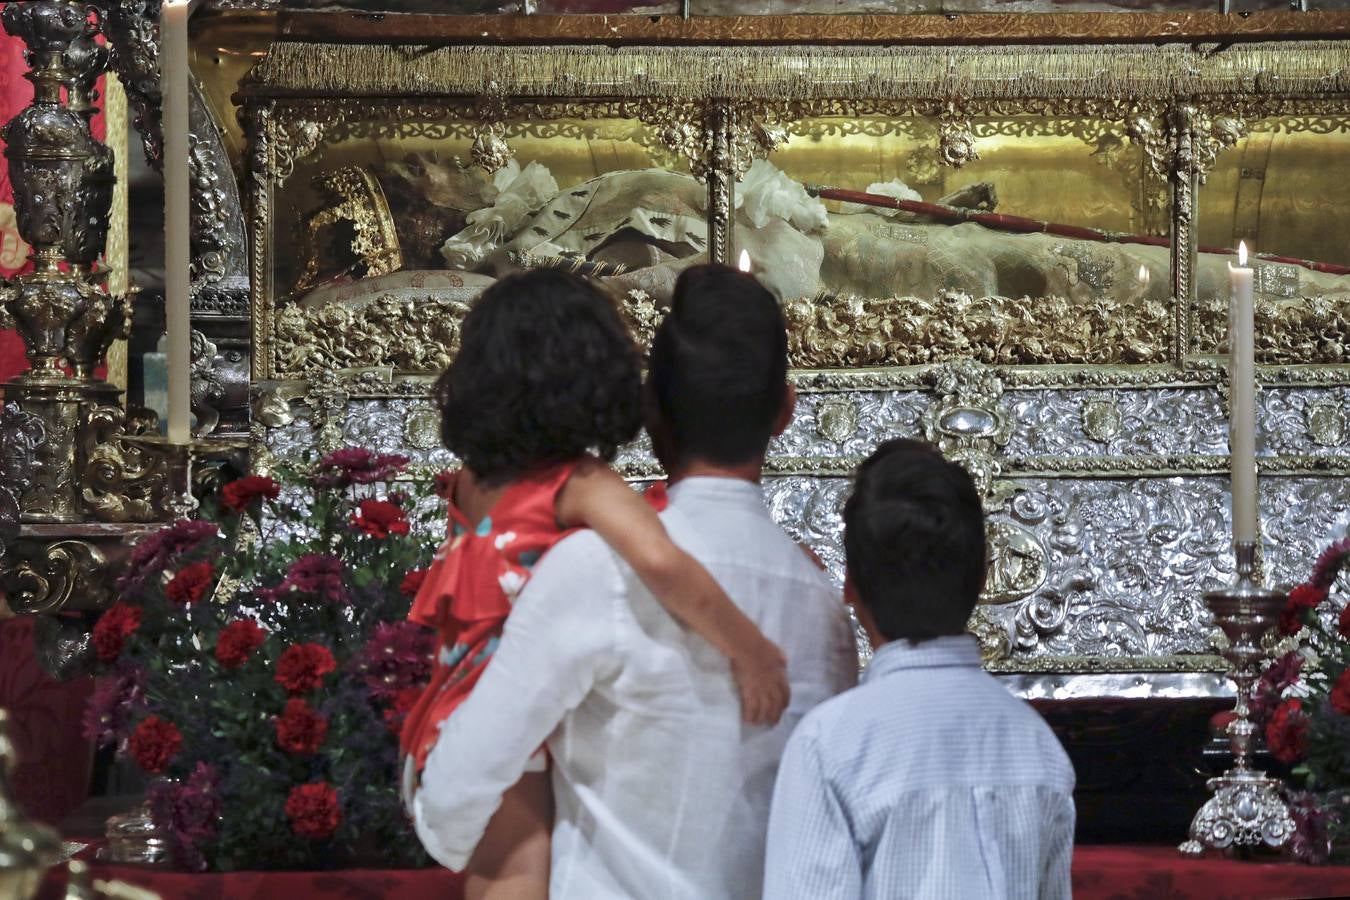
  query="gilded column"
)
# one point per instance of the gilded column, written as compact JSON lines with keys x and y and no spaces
{"x":719,"y":170}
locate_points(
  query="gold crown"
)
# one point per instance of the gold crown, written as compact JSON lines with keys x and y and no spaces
{"x":353,"y":195}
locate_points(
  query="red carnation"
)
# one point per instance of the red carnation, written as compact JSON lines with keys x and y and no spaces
{"x":356,"y":465}
{"x":154,"y":743}
{"x":302,"y":667}
{"x":300,"y":729}
{"x":1329,"y":564}
{"x":1340,"y":694}
{"x":190,"y":584}
{"x":237,"y":642}
{"x":1305,"y":596}
{"x":238,"y":494}
{"x":443,"y":485}
{"x":113,"y":628}
{"x":380,"y":518}
{"x":1287,"y":732}
{"x":1343,"y":626}
{"x":313,"y":810}
{"x":404,"y":701}
{"x":412,"y":582}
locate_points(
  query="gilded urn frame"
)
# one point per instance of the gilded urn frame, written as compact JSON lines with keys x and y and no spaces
{"x":715,"y":109}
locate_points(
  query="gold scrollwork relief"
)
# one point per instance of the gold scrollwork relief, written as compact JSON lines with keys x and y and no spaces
{"x":43,"y":576}
{"x":419,"y":336}
{"x":842,"y":332}
{"x":832,"y":331}
{"x":1289,"y":331}
{"x":124,"y":480}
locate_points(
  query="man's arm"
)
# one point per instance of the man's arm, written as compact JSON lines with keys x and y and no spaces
{"x":557,"y":642}
{"x":811,"y":853}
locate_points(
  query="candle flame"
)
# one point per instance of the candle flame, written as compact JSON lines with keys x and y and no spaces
{"x":1143,"y":274}
{"x":744,"y":262}
{"x":1242,"y":253}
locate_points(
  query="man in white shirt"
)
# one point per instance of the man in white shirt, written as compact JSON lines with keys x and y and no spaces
{"x":661,"y":791}
{"x":929,"y":779}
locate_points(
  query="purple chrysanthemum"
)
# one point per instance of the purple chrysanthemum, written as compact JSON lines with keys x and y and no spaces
{"x":189,"y":811}
{"x":160,"y":550}
{"x":1312,"y":828}
{"x":397,"y":657}
{"x":115,"y":700}
{"x":356,"y":465}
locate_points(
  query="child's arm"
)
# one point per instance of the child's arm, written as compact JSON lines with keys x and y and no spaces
{"x":597,"y":498}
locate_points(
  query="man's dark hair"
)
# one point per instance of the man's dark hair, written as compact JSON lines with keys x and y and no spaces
{"x":546,"y":371}
{"x":914,"y":541}
{"x":718,"y":366}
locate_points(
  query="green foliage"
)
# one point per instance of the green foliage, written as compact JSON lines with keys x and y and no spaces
{"x":299,"y":566}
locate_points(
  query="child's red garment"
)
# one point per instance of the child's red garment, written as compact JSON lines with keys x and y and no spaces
{"x":468,"y":592}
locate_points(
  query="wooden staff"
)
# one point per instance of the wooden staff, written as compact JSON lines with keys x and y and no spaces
{"x":941,"y":212}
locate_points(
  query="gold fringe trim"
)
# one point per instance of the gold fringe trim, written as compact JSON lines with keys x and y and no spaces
{"x":804,"y":73}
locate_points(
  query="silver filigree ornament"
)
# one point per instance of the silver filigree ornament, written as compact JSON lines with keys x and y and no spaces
{"x":956,"y":146}
{"x":1325,"y":421}
{"x":1017,"y":563}
{"x":837,"y":419}
{"x":422,"y":428}
{"x":1101,"y":420}
{"x":490,"y":151}
{"x":967,"y":424}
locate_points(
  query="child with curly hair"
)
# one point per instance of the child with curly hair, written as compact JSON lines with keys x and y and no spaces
{"x":545,"y":388}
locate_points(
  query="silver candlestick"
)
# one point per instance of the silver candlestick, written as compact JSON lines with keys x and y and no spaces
{"x":1247,"y":808}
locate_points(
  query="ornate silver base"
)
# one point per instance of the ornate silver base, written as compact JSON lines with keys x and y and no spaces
{"x":1246,"y":810}
{"x":133,"y":838}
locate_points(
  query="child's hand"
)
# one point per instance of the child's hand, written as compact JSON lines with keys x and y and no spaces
{"x":761,"y":680}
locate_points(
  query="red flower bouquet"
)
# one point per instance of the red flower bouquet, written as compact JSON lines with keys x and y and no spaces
{"x":300,"y":729}
{"x":258,"y":663}
{"x":1302,"y":703}
{"x":313,"y":811}
{"x":380,"y":519}
{"x":237,"y":642}
{"x":155,"y":743}
{"x":302,"y":667}
{"x":191,"y":583}
{"x":112,"y":630}
{"x":237,"y":496}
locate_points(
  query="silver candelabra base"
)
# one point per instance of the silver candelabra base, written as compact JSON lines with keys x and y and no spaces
{"x":1247,"y":808}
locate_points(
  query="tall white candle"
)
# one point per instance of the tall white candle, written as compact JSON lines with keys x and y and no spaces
{"x":1242,"y":399}
{"x":173,"y":85}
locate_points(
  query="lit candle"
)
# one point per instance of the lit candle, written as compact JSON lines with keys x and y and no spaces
{"x":1242,"y":399}
{"x":173,"y":86}
{"x":744,"y":262}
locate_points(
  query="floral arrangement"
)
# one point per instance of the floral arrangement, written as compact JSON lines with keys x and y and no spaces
{"x":258,"y":664}
{"x":1302,"y":705}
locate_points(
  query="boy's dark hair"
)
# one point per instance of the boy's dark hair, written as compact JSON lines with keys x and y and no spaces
{"x":914,"y":541}
{"x":546,"y":371}
{"x":717,"y":371}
